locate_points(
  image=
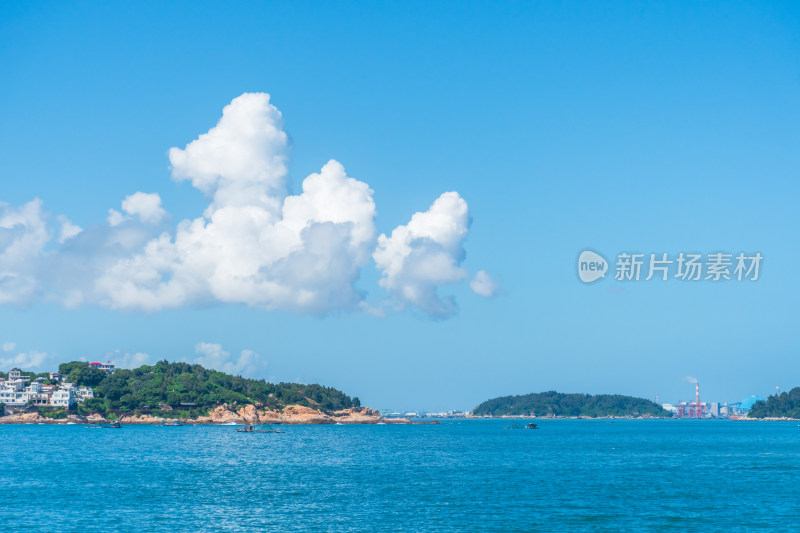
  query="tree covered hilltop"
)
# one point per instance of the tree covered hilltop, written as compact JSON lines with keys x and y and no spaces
{"x":558,"y":404}
{"x":784,"y":405}
{"x":192,"y":390}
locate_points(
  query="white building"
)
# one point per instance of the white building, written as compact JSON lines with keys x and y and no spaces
{"x":16,"y":386}
{"x":16,"y":375}
{"x":63,"y":398}
{"x":12,"y":397}
{"x":108,"y":368}
{"x":15,"y":393}
{"x":83,"y":393}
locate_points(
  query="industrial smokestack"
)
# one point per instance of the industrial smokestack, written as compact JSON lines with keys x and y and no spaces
{"x":698,"y":410}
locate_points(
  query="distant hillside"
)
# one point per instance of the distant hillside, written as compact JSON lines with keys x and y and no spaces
{"x":558,"y":404}
{"x":192,"y":388}
{"x":786,"y":404}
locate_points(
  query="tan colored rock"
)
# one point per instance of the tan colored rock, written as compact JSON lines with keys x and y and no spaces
{"x":227,"y":414}
{"x":300,"y":414}
{"x":249,"y":413}
{"x":141,"y":419}
{"x":357,"y":415}
{"x":26,"y":418}
{"x":223,"y":414}
{"x":396,"y":421}
{"x":268,"y":415}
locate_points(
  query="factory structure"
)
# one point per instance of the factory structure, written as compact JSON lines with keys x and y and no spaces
{"x":698,"y":409}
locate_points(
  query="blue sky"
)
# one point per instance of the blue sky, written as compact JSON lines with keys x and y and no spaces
{"x":563,"y":126}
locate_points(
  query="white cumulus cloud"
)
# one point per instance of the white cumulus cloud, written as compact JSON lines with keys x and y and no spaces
{"x":146,"y":206}
{"x":23,"y":236}
{"x":31,"y":360}
{"x":483,"y":284}
{"x":254,"y":244}
{"x":307,"y":259}
{"x":9,"y":346}
{"x":213,"y":356}
{"x":68,"y":229}
{"x":425,"y":253}
{"x":243,"y":159}
{"x":115,"y":218}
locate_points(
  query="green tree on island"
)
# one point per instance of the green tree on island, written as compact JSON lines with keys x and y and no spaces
{"x":559,"y":404}
{"x":783,"y":405}
{"x":185,"y":389}
{"x":82,"y":374}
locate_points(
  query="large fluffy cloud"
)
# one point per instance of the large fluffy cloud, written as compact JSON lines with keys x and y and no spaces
{"x":425,"y":253}
{"x":306,"y":258}
{"x":23,"y":236}
{"x":243,"y":160}
{"x":254,"y":244}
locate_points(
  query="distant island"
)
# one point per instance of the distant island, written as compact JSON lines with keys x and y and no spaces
{"x":556,"y":404}
{"x":784,"y":405}
{"x":168,"y":391}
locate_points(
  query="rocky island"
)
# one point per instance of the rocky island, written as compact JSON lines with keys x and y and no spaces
{"x":556,"y":404}
{"x":186,"y":392}
{"x":783,"y":406}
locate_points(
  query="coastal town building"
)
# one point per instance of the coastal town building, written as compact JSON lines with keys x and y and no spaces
{"x":63,"y":398}
{"x":108,"y":368}
{"x":20,"y":391}
{"x":83,"y":393}
{"x":16,"y":375}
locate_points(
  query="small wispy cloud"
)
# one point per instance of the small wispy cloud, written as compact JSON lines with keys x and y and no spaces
{"x":31,"y":360}
{"x":484,"y":284}
{"x":214,"y":357}
{"x":128,"y":360}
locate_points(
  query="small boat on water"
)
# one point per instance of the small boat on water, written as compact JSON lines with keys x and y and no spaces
{"x":530,"y":425}
{"x":250,"y":428}
{"x":174,"y":422}
{"x":104,"y":425}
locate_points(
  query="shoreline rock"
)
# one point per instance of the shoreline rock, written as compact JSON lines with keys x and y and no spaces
{"x":227,"y":414}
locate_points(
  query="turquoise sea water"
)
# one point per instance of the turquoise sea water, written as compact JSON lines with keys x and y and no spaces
{"x":570,"y":475}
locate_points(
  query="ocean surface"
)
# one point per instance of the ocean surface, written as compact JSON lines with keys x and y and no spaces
{"x":569,"y":475}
